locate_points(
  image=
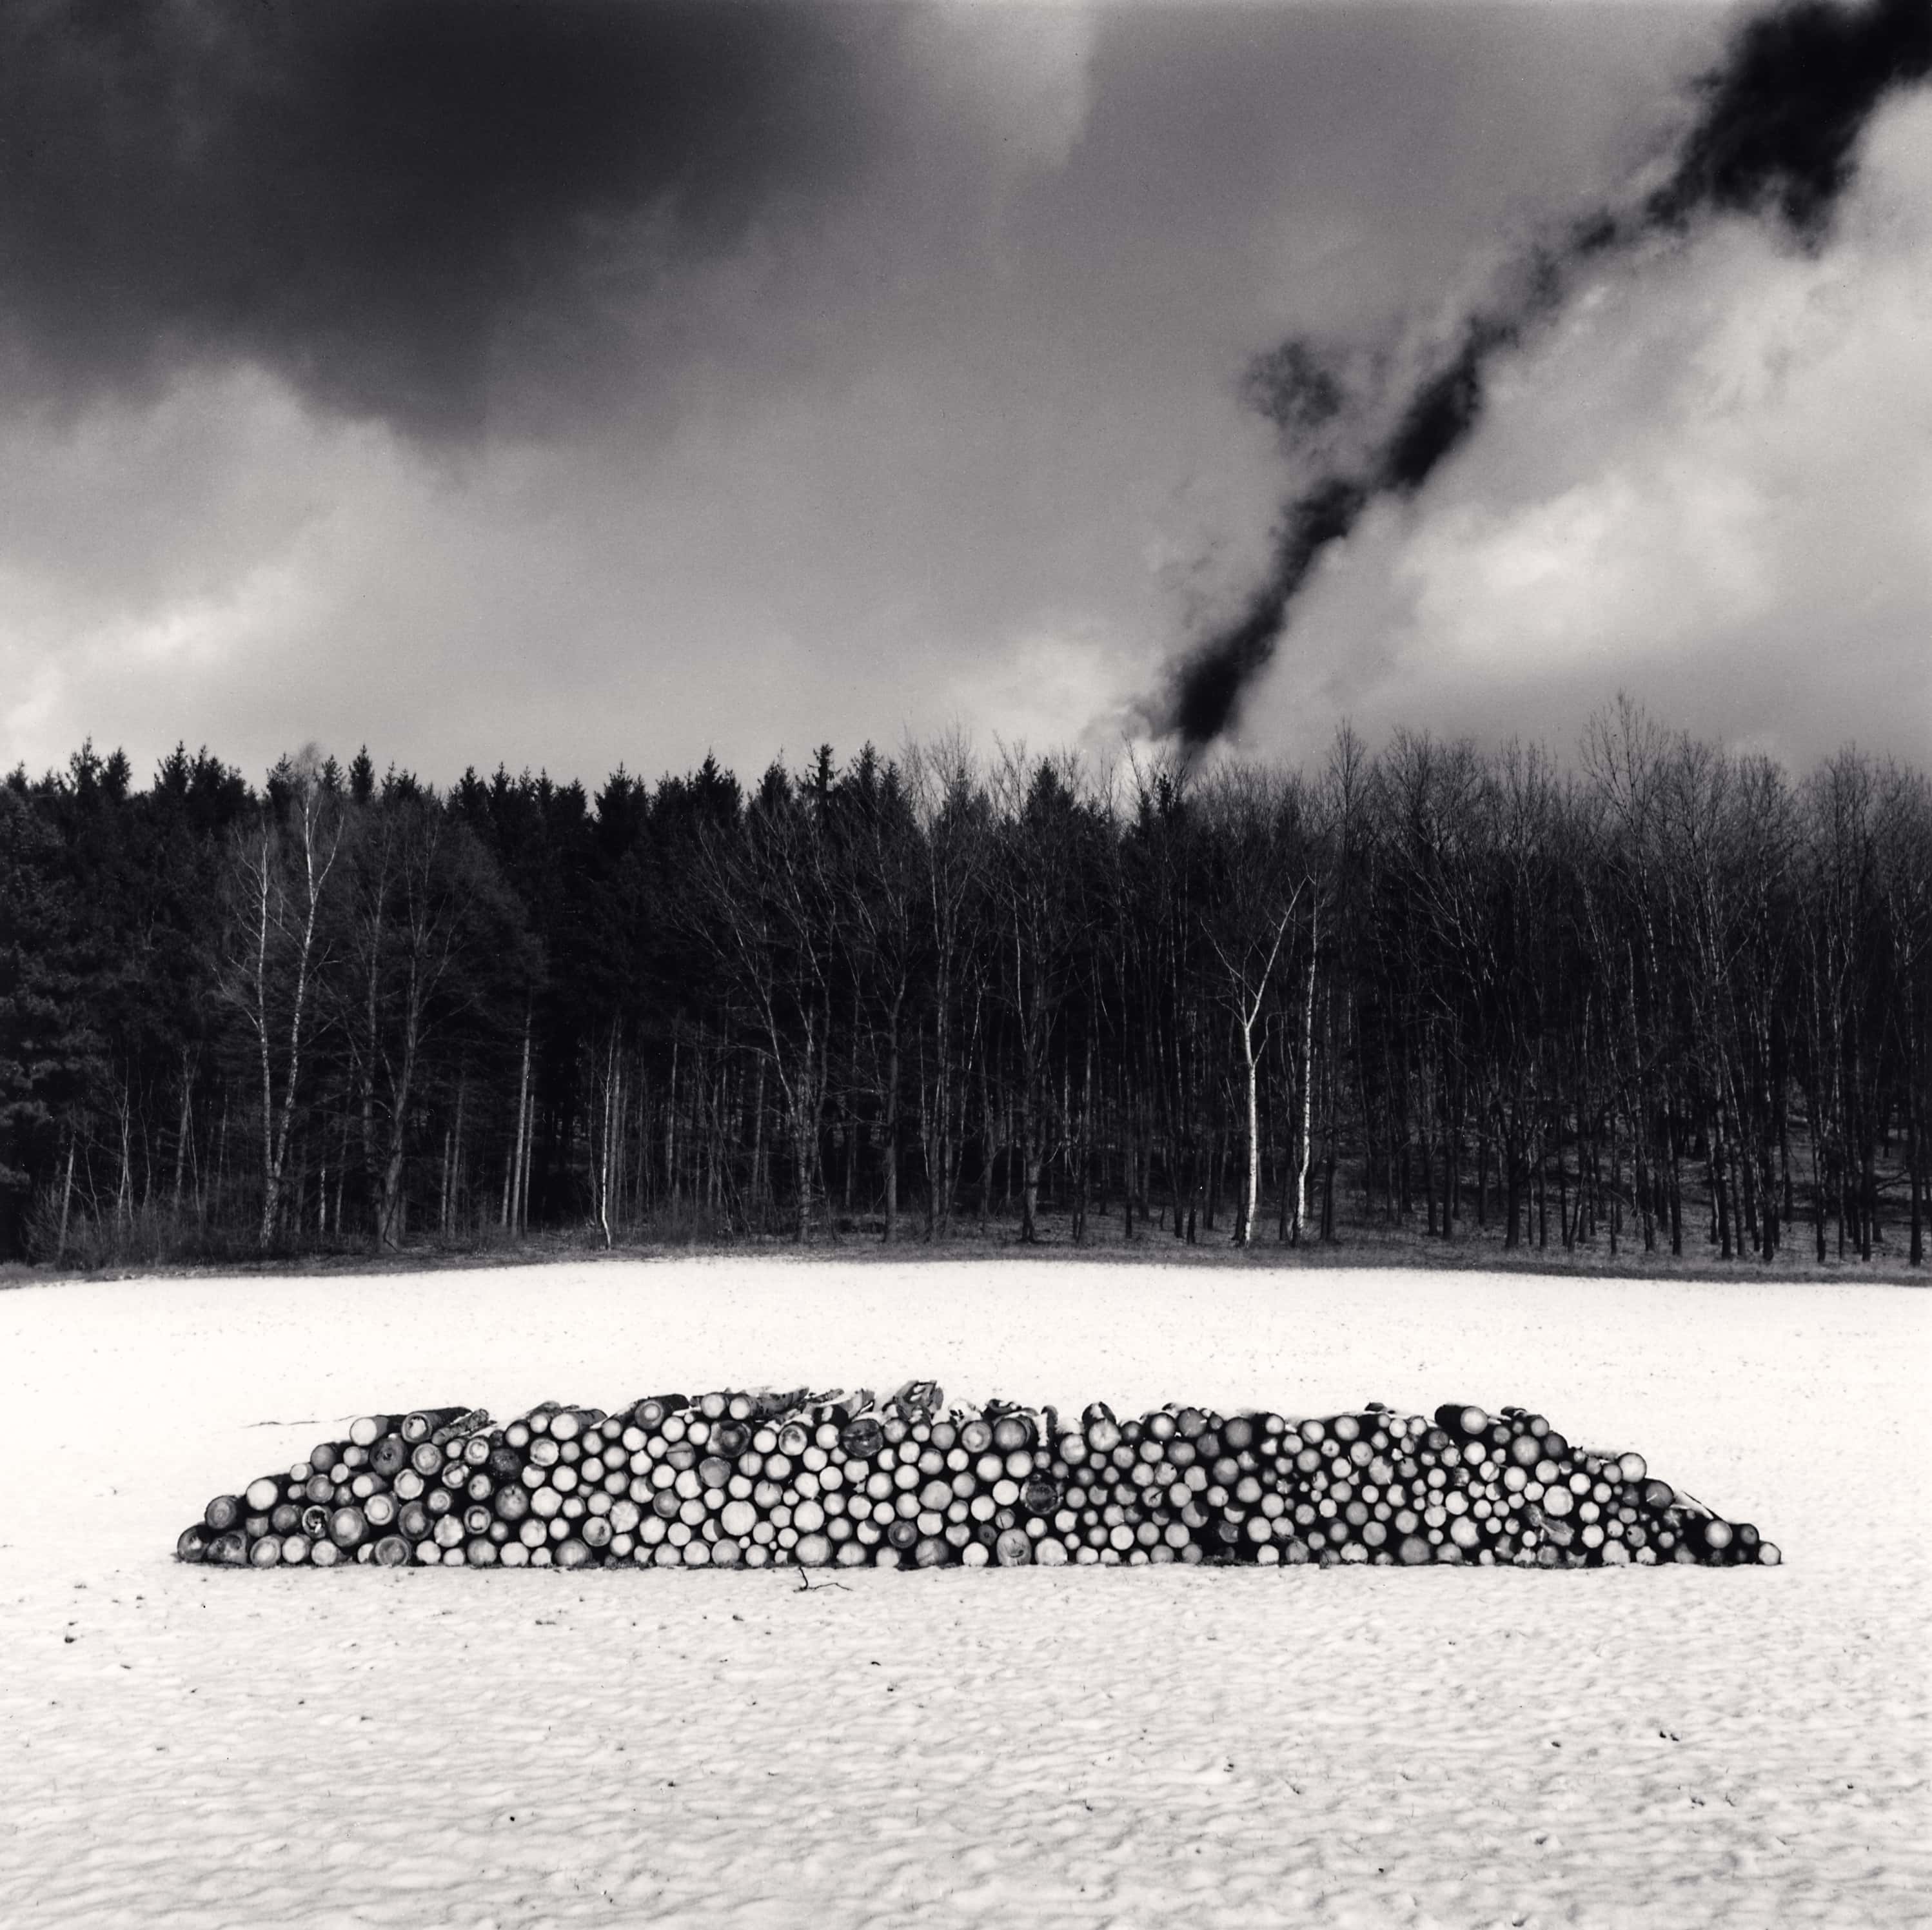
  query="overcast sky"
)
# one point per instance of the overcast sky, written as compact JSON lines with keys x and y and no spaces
{"x":562,"y":384}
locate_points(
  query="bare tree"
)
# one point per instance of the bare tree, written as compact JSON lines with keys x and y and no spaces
{"x":768,"y":916}
{"x":426,"y":901}
{"x":952,"y":814}
{"x":281,"y":866}
{"x":1042,"y":862}
{"x":1260,"y":880}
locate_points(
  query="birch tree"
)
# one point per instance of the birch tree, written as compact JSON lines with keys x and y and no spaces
{"x":283,"y":864}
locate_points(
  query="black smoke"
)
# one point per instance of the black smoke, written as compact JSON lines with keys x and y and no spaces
{"x":1775,"y":135}
{"x":1782,"y":116}
{"x":1294,"y":386}
{"x":405,"y":207}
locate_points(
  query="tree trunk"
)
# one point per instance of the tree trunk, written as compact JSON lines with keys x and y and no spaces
{"x":528,"y":1135}
{"x":456,"y":1172}
{"x":890,"y":1126}
{"x":761,"y":1202}
{"x":1913,"y":1150}
{"x":1512,"y":1188}
{"x":184,"y":1130}
{"x":1030,"y":1165}
{"x":313,"y":882}
{"x":264,"y":885}
{"x":1868,"y":1196}
{"x":124,"y":1207}
{"x":513,"y":1180}
{"x":390,"y":1208}
{"x":1251,"y":1192}
{"x":1307,"y":1096}
{"x":1674,"y":1132}
{"x":66,"y":1199}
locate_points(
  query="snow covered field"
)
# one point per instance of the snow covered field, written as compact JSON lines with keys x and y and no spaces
{"x":1672,"y":1747}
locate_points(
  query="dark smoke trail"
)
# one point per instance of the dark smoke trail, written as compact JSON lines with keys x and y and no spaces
{"x":1210,"y":691}
{"x":1775,"y":135}
{"x":1782,"y":114}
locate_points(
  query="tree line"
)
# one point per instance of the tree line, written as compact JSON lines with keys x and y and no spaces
{"x":1657,"y":996}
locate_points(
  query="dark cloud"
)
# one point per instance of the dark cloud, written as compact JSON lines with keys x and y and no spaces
{"x":407,"y":208}
{"x":919,"y":409}
{"x":1775,"y":133}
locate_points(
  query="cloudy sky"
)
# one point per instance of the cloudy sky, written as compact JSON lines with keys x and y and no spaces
{"x":563,"y":383}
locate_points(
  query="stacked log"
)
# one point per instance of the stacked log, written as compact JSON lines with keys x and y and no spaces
{"x":743,"y":1479}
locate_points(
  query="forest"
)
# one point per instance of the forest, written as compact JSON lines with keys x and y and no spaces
{"x":1650,"y":996}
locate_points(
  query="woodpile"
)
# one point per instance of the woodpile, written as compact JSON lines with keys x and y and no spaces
{"x":739,"y":1480}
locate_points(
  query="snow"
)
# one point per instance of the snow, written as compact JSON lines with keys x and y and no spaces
{"x":1673,"y":1747}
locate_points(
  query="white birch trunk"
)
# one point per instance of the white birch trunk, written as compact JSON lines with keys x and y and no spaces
{"x":1307,"y":1082}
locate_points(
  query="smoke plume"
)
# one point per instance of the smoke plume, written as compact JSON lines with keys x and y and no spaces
{"x":1774,"y":137}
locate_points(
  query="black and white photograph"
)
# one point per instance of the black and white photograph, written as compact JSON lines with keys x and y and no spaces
{"x":813,"y":810}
